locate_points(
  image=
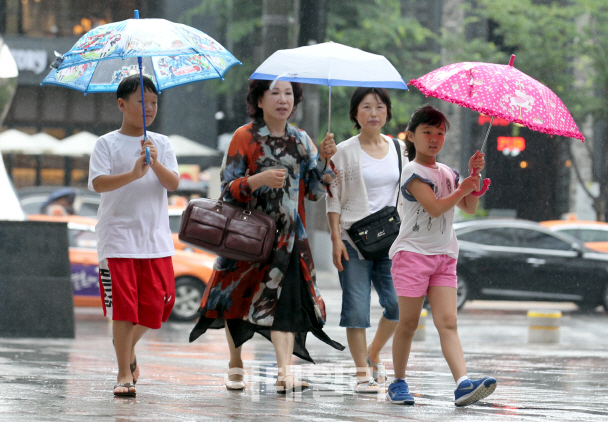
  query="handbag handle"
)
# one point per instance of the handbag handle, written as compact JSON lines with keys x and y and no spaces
{"x":398,"y":148}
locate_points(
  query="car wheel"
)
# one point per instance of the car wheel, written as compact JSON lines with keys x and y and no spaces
{"x":588,"y":306}
{"x":605,"y":299}
{"x":462,"y":292}
{"x":188,"y":294}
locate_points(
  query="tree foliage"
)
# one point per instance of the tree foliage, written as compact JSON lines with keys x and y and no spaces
{"x":563,"y":44}
{"x":544,"y":38}
{"x":379,"y":27}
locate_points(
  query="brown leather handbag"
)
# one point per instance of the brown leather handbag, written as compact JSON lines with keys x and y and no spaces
{"x":228,"y":229}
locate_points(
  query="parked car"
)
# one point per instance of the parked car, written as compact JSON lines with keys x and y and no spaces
{"x":192,"y":271}
{"x":175,"y":221}
{"x":32,"y":198}
{"x":593,"y":233}
{"x":522,"y":260}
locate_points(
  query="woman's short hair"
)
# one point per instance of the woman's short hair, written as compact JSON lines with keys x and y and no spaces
{"x":258,"y":87}
{"x":359,"y":95}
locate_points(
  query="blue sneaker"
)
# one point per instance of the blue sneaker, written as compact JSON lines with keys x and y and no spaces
{"x":399,"y":393}
{"x":470,"y":391}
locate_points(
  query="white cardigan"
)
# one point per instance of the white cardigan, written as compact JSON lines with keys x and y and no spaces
{"x":348,"y":195}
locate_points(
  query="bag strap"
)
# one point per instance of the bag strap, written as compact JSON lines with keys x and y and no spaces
{"x":398,"y":148}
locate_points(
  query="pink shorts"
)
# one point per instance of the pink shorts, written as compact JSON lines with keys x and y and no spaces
{"x":414,"y":273}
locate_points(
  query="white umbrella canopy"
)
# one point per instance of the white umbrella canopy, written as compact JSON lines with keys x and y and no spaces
{"x":76,"y":145}
{"x":45,"y":143}
{"x":185,"y":147}
{"x":330,"y":64}
{"x":13,"y":141}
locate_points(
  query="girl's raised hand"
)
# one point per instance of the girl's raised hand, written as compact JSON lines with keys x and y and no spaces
{"x":470,"y":184}
{"x":477,"y":162}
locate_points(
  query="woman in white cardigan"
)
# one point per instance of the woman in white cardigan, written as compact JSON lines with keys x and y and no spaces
{"x":367,"y":169}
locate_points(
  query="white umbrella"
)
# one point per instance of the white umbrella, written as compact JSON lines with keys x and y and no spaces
{"x":13,"y":141}
{"x":330,"y":64}
{"x":185,"y":147}
{"x":45,"y":143}
{"x":76,"y":145}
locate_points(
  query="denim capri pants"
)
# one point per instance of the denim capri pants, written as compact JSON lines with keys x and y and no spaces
{"x":356,"y":280}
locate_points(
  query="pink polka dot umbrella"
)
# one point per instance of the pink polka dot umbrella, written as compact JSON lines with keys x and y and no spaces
{"x":500,"y":91}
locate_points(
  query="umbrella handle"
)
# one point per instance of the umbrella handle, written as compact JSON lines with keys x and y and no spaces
{"x":143,"y":104}
{"x":329,"y":114}
{"x":485,"y":185}
{"x":484,"y":188}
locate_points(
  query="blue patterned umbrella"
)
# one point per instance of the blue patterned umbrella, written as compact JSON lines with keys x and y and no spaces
{"x":171,"y":54}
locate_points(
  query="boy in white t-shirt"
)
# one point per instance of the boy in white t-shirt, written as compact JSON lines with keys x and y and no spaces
{"x":134,"y":240}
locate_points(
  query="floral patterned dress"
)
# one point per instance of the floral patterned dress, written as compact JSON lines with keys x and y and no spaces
{"x":244,"y":294}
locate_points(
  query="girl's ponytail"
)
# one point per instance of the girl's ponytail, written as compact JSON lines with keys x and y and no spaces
{"x":411,"y":150}
{"x":425,"y":115}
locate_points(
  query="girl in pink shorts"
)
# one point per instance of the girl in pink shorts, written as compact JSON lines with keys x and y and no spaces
{"x":426,"y":251}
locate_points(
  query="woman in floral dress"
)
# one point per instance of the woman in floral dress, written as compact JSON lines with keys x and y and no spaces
{"x":273,"y":166}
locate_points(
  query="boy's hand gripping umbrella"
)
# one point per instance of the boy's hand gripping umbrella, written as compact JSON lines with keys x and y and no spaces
{"x":500,"y":91}
{"x":173,"y":54}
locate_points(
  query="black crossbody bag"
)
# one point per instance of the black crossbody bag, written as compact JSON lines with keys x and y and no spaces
{"x":374,"y":234}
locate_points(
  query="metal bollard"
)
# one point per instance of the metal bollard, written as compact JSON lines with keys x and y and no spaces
{"x":420,"y":334}
{"x":543,"y":326}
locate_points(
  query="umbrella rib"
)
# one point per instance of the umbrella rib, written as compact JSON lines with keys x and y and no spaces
{"x":155,"y":75}
{"x":214,"y":68}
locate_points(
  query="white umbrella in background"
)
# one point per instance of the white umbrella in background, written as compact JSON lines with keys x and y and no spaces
{"x":76,"y":145}
{"x":13,"y":141}
{"x":330,"y":64}
{"x":45,"y":143}
{"x":185,"y":147}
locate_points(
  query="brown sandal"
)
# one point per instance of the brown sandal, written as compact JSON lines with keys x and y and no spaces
{"x":133,"y":367}
{"x":128,"y":393}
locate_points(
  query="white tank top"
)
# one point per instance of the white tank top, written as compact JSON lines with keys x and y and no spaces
{"x":381,"y":177}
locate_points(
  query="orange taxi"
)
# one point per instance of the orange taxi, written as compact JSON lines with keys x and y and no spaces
{"x":175,"y":221}
{"x":192,"y":271}
{"x":594,"y":234}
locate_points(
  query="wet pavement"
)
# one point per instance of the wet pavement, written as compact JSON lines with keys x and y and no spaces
{"x":71,"y":380}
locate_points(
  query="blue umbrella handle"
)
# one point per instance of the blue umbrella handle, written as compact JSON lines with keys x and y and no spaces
{"x":143,"y":104}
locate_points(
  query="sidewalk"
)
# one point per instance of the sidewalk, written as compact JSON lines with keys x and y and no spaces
{"x":71,"y":380}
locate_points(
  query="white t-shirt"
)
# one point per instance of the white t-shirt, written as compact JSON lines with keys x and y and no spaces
{"x":381,"y":177}
{"x":133,"y":220}
{"x":419,"y":232}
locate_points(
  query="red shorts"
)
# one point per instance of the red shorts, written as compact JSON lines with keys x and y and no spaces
{"x":141,"y":291}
